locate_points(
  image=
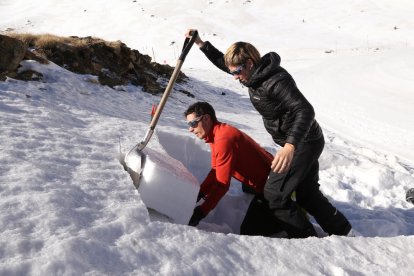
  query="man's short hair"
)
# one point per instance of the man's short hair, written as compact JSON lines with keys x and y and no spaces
{"x":201,"y":108}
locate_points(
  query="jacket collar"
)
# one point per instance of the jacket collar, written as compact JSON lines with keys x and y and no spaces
{"x":268,"y":65}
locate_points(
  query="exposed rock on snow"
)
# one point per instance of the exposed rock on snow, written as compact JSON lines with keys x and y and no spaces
{"x":11,"y":52}
{"x":113,"y":62}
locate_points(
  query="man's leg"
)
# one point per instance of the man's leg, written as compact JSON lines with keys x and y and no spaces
{"x":278,"y":191}
{"x":259,"y":220}
{"x":309,"y":197}
{"x":279,"y":187}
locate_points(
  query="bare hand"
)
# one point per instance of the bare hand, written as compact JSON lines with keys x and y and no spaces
{"x":283,"y":159}
{"x":198,"y":40}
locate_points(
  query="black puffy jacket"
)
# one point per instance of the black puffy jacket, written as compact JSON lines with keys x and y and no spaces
{"x":287,"y":115}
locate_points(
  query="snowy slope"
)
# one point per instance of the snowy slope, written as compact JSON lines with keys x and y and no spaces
{"x":68,"y":208}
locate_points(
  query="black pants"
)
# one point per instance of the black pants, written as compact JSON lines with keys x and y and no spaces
{"x":303,"y":177}
{"x":259,"y":220}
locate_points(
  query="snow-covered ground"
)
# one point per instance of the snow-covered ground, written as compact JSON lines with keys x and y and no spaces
{"x":68,"y":207}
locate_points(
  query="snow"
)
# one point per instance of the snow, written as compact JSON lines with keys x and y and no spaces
{"x":166,"y":185}
{"x":68,"y":207}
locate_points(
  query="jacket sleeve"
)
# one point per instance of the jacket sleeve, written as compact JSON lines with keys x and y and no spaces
{"x":217,"y":182}
{"x":205,"y":187}
{"x":217,"y":191}
{"x":213,"y":192}
{"x":215,"y":56}
{"x":299,"y":114}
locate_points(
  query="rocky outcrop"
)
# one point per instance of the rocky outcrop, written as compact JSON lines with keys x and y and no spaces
{"x":12,"y":52}
{"x":113,"y":62}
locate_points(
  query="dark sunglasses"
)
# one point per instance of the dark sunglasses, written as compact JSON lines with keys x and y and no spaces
{"x":238,"y":70}
{"x":193,"y":123}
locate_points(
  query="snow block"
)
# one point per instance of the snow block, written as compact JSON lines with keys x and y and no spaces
{"x":168,"y":187}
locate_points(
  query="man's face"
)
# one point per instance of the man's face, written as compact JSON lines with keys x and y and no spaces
{"x":241,"y":72}
{"x":200,"y":125}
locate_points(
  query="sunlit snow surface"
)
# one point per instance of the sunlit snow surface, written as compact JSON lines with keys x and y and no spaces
{"x":68,"y":207}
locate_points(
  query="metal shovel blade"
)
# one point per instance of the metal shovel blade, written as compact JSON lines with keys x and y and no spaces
{"x":134,"y":162}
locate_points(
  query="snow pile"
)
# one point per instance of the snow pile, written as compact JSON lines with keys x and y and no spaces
{"x":167,"y":187}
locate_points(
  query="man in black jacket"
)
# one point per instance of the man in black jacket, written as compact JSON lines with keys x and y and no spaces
{"x":290,"y":120}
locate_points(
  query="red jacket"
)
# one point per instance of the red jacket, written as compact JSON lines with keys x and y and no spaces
{"x":233,"y":154}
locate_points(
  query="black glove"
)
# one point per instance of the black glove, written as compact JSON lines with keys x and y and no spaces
{"x":410,"y":195}
{"x":197,"y":216}
{"x":200,"y":196}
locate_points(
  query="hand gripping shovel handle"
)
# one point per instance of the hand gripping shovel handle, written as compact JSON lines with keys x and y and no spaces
{"x":186,"y":48}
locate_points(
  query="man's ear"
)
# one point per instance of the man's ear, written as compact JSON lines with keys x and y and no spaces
{"x":249,"y":64}
{"x":206,"y":117}
{"x":208,"y":122}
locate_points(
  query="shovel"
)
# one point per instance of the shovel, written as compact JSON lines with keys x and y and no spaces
{"x":134,"y":160}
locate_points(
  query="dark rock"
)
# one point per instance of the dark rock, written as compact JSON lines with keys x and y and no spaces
{"x":113,"y":62}
{"x":29,"y":75}
{"x":12,"y":52}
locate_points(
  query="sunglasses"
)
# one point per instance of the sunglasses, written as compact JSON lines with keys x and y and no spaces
{"x":238,"y":70}
{"x":193,"y":123}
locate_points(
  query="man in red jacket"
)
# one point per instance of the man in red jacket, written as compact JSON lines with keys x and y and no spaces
{"x":235,"y":154}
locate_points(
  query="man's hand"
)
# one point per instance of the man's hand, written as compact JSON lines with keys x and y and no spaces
{"x":200,"y":196}
{"x":283,"y":159}
{"x":197,"y":216}
{"x":198,"y":40}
